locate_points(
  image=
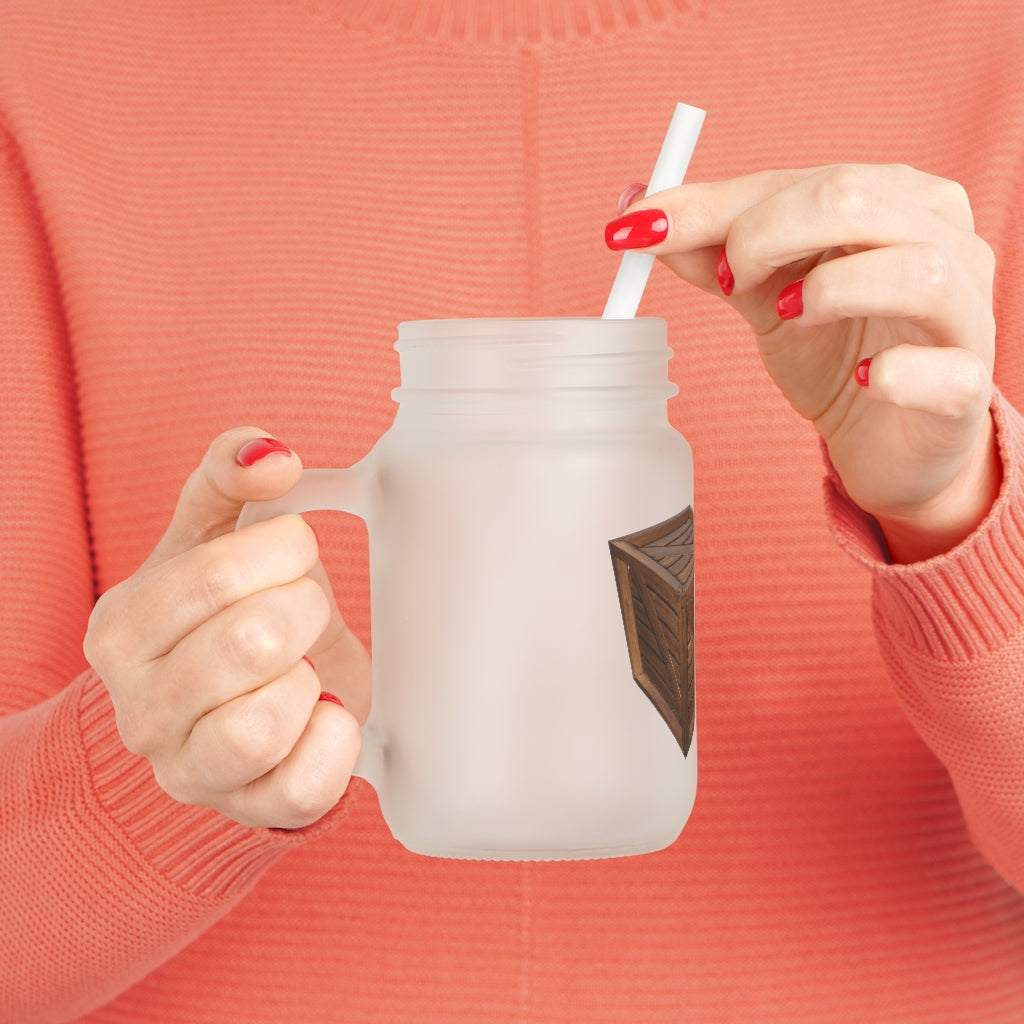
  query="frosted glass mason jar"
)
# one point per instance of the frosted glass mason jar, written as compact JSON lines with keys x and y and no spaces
{"x":531,"y":560}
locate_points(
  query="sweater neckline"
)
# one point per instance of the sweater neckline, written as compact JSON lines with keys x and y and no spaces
{"x":522,"y":22}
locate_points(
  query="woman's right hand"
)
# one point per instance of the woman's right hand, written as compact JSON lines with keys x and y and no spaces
{"x":203,"y":650}
{"x":871,"y":299}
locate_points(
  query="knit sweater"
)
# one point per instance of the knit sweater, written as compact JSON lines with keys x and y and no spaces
{"x":214,"y":214}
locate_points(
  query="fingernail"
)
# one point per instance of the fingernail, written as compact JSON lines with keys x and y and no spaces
{"x":309,"y":663}
{"x":790,"y":303}
{"x":724,"y":274}
{"x":252,"y":451}
{"x":861,"y":373}
{"x":637,"y":230}
{"x":629,"y":194}
{"x":331,"y":698}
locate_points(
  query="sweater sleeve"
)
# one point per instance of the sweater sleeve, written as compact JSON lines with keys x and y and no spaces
{"x":102,"y":876}
{"x":951,"y":630}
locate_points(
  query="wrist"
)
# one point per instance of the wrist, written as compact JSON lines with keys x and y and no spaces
{"x":949,"y":518}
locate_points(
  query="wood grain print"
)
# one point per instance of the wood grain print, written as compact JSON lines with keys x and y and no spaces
{"x":654,"y":576}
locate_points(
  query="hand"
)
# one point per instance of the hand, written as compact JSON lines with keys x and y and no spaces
{"x":202,"y":651}
{"x":835,"y":266}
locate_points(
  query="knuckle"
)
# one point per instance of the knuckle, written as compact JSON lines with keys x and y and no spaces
{"x":848,"y":194}
{"x":254,"y":733}
{"x":221,"y":581}
{"x":263,"y":634}
{"x":96,"y":643}
{"x":309,"y":795}
{"x":903,"y":173}
{"x":104,"y":642}
{"x":959,"y":384}
{"x":950,"y":201}
{"x":931,"y":271}
{"x":953,"y":195}
{"x":971,"y":382}
{"x":255,"y":641}
{"x":778,"y":180}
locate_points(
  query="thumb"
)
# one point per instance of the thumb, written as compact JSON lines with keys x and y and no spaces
{"x":241,"y":465}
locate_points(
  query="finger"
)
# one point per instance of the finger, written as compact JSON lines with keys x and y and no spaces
{"x":236,"y":652}
{"x":214,"y":494}
{"x":839,"y":208}
{"x":172,"y":598}
{"x":701,"y":215}
{"x":310,"y":780}
{"x":243,"y":739}
{"x":341,"y":659}
{"x":920,"y":283}
{"x":951,"y":385}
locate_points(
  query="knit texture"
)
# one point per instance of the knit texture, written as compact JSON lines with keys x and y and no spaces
{"x":215,"y":214}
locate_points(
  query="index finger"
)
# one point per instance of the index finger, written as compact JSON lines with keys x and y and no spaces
{"x":700,"y":214}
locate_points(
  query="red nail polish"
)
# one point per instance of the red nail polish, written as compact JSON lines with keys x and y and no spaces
{"x":330,"y":698}
{"x":637,"y":230}
{"x":252,"y":451}
{"x":724,"y":274}
{"x":309,"y":663}
{"x":629,"y":195}
{"x":861,"y":373}
{"x":790,"y":303}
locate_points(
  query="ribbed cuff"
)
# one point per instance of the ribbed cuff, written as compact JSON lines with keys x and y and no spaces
{"x":196,"y":849}
{"x":962,"y":604}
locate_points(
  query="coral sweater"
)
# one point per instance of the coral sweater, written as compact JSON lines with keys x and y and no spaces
{"x":215,"y":213}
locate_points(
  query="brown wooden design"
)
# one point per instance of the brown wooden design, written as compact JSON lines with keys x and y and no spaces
{"x":654,"y":576}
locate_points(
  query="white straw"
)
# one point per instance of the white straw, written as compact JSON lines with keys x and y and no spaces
{"x":674,"y":158}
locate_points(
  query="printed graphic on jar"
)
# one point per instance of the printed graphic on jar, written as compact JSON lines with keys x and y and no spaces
{"x":654,"y":576}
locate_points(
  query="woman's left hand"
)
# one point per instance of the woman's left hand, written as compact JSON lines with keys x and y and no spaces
{"x":870,"y":297}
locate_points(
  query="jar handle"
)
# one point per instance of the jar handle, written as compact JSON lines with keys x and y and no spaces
{"x":340,"y":490}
